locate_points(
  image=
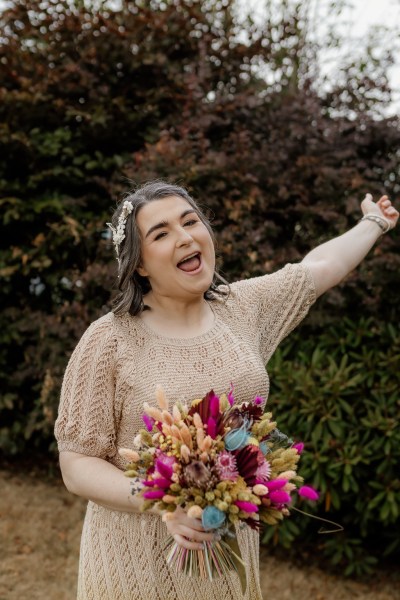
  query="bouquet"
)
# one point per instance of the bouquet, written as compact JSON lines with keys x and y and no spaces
{"x":223,"y":463}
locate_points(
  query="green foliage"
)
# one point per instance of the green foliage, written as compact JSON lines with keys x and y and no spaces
{"x":338,"y":391}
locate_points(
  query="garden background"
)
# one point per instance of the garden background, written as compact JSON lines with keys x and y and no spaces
{"x":98,"y":96}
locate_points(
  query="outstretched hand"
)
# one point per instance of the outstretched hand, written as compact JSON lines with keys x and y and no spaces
{"x":383,"y":208}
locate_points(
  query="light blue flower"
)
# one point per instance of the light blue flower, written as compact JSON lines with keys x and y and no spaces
{"x":264,"y":448}
{"x":212,"y":517}
{"x":237,"y":438}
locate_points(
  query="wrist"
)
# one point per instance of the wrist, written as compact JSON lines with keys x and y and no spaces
{"x":379,"y":220}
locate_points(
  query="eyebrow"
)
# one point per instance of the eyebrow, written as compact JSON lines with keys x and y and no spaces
{"x":163,"y":224}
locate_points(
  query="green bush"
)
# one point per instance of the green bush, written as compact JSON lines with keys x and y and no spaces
{"x":339,"y":393}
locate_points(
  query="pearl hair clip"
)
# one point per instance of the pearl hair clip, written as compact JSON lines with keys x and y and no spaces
{"x":119,"y":233}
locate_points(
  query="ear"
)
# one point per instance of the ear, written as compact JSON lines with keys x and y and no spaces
{"x":142,"y":271}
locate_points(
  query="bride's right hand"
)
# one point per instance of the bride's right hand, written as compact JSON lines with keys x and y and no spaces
{"x":186,"y":531}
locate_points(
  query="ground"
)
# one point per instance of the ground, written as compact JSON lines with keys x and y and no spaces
{"x":40,"y":524}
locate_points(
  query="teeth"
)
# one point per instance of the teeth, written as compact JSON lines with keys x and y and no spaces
{"x":188,"y":257}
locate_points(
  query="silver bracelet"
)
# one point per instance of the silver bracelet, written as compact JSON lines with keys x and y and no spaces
{"x":382,"y":222}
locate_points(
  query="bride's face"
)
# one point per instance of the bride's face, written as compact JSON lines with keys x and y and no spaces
{"x":178,"y":255}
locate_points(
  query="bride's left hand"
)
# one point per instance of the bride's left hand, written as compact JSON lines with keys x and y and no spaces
{"x":383,"y":207}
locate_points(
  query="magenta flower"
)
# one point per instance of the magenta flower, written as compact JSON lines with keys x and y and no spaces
{"x":214,"y":406}
{"x":279,"y":497}
{"x":231,"y":399}
{"x":299,"y":446}
{"x":163,"y":468}
{"x":226,"y":466}
{"x":162,"y":483}
{"x":258,"y":400}
{"x":308,"y":492}
{"x":212,"y":427}
{"x":148,"y":421}
{"x":275,"y":484}
{"x":154,"y":494}
{"x":248,"y":507}
{"x":263,"y":472}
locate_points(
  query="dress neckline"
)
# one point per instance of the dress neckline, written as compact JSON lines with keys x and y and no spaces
{"x":182,"y":341}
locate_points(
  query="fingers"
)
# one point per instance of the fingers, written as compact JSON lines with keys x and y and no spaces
{"x":386,"y":207}
{"x":187,"y":532}
{"x":182,"y":541}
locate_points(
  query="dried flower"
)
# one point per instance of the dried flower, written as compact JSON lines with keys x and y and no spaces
{"x":226,"y":466}
{"x":195,"y":512}
{"x":128,"y":454}
{"x":212,"y":517}
{"x":263,"y":472}
{"x":299,"y":446}
{"x":161,"y":398}
{"x":248,"y":507}
{"x":308,"y":492}
{"x":260,"y":490}
{"x":279,"y":497}
{"x":148,"y":421}
{"x":197,"y":474}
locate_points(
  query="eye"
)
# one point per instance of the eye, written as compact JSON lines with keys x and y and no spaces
{"x":160,"y":235}
{"x":191,"y":222}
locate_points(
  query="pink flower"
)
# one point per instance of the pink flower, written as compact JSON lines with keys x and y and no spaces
{"x":212,"y":427}
{"x":248,"y":507}
{"x":161,"y":482}
{"x":148,"y":421}
{"x":263,"y":472}
{"x":258,"y":400}
{"x":164,"y":466}
{"x":308,"y":492}
{"x":279,"y":497}
{"x":154,"y":494}
{"x":299,"y":447}
{"x":276,"y":484}
{"x":231,"y":399}
{"x":214,"y":406}
{"x":226,"y":466}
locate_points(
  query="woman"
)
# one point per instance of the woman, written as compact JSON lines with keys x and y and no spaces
{"x":172,"y":325}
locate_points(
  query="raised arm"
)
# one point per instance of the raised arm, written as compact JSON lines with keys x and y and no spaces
{"x":332,"y":261}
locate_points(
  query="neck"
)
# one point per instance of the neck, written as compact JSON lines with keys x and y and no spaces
{"x":177,"y":317}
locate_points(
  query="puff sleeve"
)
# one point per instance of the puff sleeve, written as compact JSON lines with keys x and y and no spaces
{"x":273,"y":305}
{"x":86,"y":420}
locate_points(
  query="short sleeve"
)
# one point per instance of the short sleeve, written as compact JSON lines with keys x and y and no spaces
{"x":273,"y":305}
{"x":85,"y":421}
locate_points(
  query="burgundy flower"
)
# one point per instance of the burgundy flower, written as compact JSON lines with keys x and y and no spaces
{"x":234,"y":419}
{"x":248,"y":459}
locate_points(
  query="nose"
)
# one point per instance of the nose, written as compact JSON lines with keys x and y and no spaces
{"x":184,"y":238}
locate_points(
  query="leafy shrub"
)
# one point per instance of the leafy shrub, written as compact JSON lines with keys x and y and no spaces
{"x":338,"y":391}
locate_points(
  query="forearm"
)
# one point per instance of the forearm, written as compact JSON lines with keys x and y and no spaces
{"x":98,"y":480}
{"x":335,"y":259}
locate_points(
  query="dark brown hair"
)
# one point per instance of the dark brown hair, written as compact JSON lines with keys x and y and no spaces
{"x":132,"y":286}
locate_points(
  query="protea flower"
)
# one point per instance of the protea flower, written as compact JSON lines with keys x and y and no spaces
{"x":197,"y":474}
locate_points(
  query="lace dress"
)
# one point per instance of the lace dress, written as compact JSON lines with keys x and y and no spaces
{"x":115,"y":368}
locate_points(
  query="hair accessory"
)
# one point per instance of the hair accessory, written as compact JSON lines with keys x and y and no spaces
{"x":382,"y":222}
{"x":119,"y":233}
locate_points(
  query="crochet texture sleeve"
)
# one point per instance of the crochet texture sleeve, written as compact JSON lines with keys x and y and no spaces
{"x":86,"y":422}
{"x":273,"y":305}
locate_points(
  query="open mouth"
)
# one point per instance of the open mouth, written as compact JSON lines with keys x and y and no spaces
{"x":190,"y":263}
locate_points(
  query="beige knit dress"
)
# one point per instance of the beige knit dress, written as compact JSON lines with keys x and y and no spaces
{"x":114,"y":369}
